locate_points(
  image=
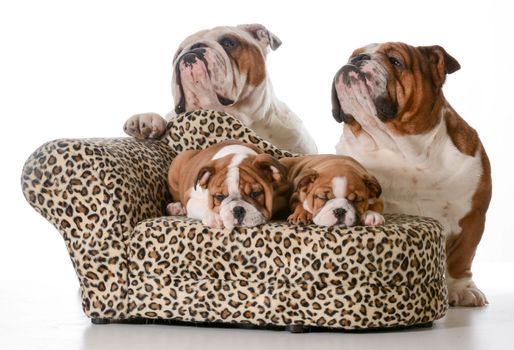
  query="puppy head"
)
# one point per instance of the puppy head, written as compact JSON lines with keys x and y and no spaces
{"x":220,"y":67}
{"x":337,"y":196}
{"x":242,"y":187}
{"x":392,"y":85}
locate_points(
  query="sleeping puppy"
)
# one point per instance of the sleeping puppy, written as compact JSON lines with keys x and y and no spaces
{"x":224,"y":69}
{"x":429,"y":161}
{"x":227,"y":185}
{"x":333,"y":190}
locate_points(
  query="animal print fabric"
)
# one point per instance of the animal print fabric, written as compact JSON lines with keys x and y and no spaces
{"x":107,"y":199}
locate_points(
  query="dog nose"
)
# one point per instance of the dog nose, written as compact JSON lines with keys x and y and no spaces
{"x":239,"y":213}
{"x":189,"y":58}
{"x":359,"y":58}
{"x":339,"y":213}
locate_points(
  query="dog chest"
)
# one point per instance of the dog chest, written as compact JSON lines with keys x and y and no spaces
{"x":441,"y":186}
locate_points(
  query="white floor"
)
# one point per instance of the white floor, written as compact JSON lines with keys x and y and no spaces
{"x":38,"y":316}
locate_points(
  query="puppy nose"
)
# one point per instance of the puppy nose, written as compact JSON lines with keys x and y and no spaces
{"x":239,"y":212}
{"x":339,"y":213}
{"x":359,"y":58}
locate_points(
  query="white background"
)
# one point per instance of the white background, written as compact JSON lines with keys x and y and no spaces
{"x":70,"y":69}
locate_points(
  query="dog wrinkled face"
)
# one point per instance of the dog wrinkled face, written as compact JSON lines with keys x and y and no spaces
{"x":338,"y":200}
{"x":241,"y":188}
{"x":220,"y":67}
{"x":387,"y":86}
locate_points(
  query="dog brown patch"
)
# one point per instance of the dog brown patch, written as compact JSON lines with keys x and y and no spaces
{"x":249,"y":61}
{"x":411,"y":89}
{"x":463,"y":136}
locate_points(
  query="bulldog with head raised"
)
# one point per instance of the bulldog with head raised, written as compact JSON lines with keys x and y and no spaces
{"x":227,"y":185}
{"x":428,"y":160}
{"x":333,"y":190}
{"x":224,"y":69}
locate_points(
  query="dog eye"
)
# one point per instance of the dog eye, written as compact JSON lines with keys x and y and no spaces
{"x":321,"y":198}
{"x":228,"y":42}
{"x":357,"y":199}
{"x":394,"y":61}
{"x":255,"y":194}
{"x":220,"y":197}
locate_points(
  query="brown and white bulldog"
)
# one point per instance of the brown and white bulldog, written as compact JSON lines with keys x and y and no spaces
{"x":224,"y":69}
{"x":333,"y":190}
{"x":226,"y":185}
{"x":428,"y":160}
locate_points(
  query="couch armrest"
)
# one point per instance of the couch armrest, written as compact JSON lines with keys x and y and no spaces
{"x":94,"y":191}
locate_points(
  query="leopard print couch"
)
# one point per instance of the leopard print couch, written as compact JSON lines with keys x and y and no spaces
{"x":107,"y":198}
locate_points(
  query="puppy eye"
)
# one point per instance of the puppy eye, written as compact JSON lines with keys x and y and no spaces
{"x":357,"y":199}
{"x":228,"y":42}
{"x":321,"y":198}
{"x":220,"y":197}
{"x":255,"y":194}
{"x":395,"y":62}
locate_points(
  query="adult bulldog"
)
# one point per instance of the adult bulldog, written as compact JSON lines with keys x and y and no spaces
{"x":224,"y":68}
{"x":428,"y":160}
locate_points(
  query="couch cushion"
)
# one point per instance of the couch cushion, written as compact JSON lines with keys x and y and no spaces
{"x":280,"y":274}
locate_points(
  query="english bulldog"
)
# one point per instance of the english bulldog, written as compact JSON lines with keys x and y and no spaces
{"x":227,"y":185}
{"x":428,"y":160}
{"x":333,"y":190}
{"x":224,"y":69}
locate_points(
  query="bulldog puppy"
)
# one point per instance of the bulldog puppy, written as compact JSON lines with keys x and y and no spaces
{"x":227,"y":185}
{"x":333,"y":190}
{"x":428,"y":160}
{"x":224,"y":69}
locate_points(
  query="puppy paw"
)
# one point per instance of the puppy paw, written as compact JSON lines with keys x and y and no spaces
{"x":300,"y":216}
{"x":372,"y":218}
{"x":145,"y":126}
{"x":213,"y":220}
{"x":464,"y":292}
{"x":176,"y":209}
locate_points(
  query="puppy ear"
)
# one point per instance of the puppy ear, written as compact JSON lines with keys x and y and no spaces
{"x":203,"y":176}
{"x":274,"y":170}
{"x":306,"y":178}
{"x":442,"y":63}
{"x":373,"y":186}
{"x":262,"y":35}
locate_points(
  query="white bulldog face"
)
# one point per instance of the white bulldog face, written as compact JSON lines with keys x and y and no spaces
{"x":220,"y":67}
{"x":339,"y":199}
{"x":241,"y":187}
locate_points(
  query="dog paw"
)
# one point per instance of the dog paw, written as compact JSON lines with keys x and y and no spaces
{"x":464,"y":292}
{"x":300,"y":216}
{"x":213,"y":220}
{"x":176,"y":209}
{"x":372,"y":218}
{"x":145,"y":126}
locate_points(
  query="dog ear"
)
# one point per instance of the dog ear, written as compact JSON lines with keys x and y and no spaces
{"x":373,"y":186}
{"x":262,"y":35}
{"x":203,"y":176}
{"x":442,"y":62}
{"x":274,"y":170}
{"x":305,"y":179}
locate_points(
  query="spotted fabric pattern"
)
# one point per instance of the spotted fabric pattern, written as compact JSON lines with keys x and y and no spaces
{"x":107,"y":198}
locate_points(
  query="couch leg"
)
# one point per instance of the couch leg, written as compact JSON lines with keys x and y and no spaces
{"x":425,"y":325}
{"x":297,"y":328}
{"x":100,"y":321}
